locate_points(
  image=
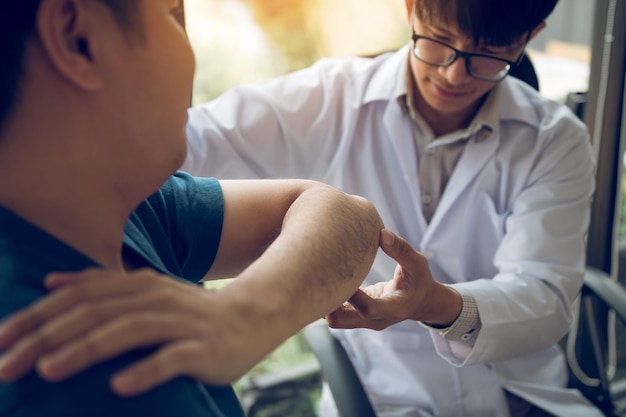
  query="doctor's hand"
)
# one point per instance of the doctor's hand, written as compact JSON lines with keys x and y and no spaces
{"x":96,"y":315}
{"x":412,"y":294}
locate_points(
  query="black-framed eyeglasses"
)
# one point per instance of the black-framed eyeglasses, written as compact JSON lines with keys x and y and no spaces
{"x":483,"y":67}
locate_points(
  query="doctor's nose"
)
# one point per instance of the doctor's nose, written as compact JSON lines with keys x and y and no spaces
{"x":455,"y":73}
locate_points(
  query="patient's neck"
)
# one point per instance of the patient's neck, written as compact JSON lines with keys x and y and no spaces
{"x":63,"y":194}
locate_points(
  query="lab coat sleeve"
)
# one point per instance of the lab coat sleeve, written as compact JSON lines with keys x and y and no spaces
{"x":527,"y":306}
{"x":289,"y":126}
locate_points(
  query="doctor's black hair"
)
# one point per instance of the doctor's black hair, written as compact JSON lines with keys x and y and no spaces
{"x":17,"y":25}
{"x":489,"y":22}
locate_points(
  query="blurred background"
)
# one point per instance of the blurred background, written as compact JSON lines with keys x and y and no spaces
{"x":240,"y":41}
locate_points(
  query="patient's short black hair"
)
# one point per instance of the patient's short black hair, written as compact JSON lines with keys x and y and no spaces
{"x":490,"y":22}
{"x":17,"y":24}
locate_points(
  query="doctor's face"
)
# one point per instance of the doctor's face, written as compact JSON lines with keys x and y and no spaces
{"x":450,"y":90}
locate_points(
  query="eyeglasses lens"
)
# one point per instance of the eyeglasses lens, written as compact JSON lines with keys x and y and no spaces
{"x":435,"y":53}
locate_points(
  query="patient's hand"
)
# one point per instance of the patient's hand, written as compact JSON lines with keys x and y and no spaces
{"x":96,"y":315}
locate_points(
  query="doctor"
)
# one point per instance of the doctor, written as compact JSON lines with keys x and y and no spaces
{"x":487,"y":179}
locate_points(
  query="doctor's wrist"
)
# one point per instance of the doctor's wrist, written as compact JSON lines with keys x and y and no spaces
{"x":445,"y":304}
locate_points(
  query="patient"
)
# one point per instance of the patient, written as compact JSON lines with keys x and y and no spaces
{"x":102,"y":244}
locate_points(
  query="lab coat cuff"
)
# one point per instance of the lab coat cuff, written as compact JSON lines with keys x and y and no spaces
{"x":466,"y":327}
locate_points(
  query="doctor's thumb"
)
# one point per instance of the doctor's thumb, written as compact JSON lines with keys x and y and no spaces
{"x":394,"y":246}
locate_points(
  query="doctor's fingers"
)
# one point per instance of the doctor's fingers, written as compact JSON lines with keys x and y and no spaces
{"x":365,"y":311}
{"x":350,"y":318}
{"x":411,"y":261}
{"x":388,"y":306}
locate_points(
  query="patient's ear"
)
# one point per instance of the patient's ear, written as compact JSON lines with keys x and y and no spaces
{"x":68,"y":35}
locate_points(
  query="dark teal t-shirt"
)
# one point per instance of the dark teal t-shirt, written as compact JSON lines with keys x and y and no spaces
{"x":176,"y":231}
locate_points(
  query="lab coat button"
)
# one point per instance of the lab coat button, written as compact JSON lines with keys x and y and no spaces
{"x":426,"y":199}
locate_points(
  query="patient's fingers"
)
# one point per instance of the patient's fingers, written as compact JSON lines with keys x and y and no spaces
{"x":173,"y":360}
{"x":74,"y":310}
{"x":126,"y":333}
{"x":36,"y":315}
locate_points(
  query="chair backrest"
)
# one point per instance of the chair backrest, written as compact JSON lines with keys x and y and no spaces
{"x":587,"y":344}
{"x":525,"y":71}
{"x":338,"y":372}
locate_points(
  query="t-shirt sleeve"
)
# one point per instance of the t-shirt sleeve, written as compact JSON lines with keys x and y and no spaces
{"x":180,"y":226}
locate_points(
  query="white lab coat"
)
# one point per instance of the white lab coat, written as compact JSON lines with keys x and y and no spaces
{"x":509,"y":228}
